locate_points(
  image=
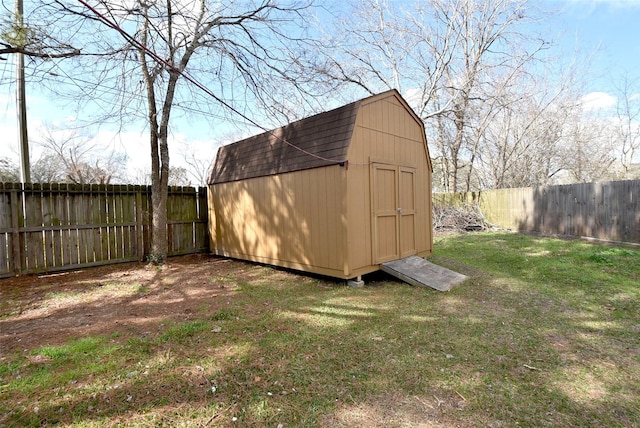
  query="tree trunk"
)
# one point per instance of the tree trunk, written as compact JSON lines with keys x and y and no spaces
{"x":159,"y":164}
{"x":159,"y":242}
{"x":459,"y":119}
{"x":159,"y":190}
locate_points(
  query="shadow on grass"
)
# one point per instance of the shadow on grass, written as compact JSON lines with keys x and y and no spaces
{"x":523,"y":343}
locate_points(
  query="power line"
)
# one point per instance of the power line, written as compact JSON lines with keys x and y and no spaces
{"x":114,"y":25}
{"x":114,"y":91}
{"x":100,"y":88}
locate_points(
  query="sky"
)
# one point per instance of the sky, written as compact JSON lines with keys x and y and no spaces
{"x":606,"y":31}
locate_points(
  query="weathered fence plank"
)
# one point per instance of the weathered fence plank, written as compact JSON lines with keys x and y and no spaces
{"x":51,"y":227}
{"x":8,"y":245}
{"x":16,"y":239}
{"x":608,"y":210}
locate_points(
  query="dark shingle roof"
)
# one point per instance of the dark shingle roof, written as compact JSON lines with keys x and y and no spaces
{"x":315,"y":141}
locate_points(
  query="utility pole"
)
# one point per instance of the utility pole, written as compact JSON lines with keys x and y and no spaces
{"x":21,"y":106}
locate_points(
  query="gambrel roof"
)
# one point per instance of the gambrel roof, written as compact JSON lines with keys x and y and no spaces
{"x":316,"y":141}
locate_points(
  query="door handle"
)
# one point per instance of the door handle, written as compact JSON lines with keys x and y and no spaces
{"x":399,"y":210}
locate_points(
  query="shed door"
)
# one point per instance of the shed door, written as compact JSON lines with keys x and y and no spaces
{"x":407,"y":205}
{"x":393,"y":212}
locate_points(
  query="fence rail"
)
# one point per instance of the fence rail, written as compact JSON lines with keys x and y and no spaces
{"x":52,"y":227}
{"x":607,"y":210}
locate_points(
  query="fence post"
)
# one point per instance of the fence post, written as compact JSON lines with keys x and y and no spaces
{"x":16,"y":254}
{"x":139,"y":226}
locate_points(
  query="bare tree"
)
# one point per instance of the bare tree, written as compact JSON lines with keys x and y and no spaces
{"x":198,"y":167}
{"x":179,"y":176}
{"x":521,"y":131}
{"x":68,"y":156}
{"x":445,"y":57}
{"x":36,"y":38}
{"x":369,"y":48}
{"x":486,"y":45}
{"x":9,"y":171}
{"x":627,"y":123}
{"x":48,"y":169}
{"x":227,"y":54}
{"x":589,"y":152}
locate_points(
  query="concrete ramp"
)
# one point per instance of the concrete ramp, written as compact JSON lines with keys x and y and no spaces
{"x":417,"y":271}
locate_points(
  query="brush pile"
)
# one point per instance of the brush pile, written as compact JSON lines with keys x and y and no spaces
{"x":468,"y":218}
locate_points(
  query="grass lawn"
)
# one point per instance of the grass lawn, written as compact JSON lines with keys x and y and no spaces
{"x":546,"y":332}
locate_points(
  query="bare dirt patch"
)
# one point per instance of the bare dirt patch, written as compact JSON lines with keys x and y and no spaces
{"x":123,"y":299}
{"x":399,"y":410}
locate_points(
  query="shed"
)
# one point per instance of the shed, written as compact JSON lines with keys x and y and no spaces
{"x":337,"y":193}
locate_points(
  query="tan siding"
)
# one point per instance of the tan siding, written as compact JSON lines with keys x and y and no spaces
{"x":320,"y":220}
{"x":358,"y":204}
{"x":407,"y":200}
{"x":334,"y":216}
{"x":386,"y":132}
{"x":212,"y":219}
{"x":359,"y":240}
{"x":292,"y":219}
{"x":384,"y":200}
{"x":308,"y":211}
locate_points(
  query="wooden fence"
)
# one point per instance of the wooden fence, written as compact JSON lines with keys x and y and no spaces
{"x":52,"y":227}
{"x":608,"y":210}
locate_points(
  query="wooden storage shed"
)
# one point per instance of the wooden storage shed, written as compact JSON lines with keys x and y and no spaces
{"x":336,"y":194}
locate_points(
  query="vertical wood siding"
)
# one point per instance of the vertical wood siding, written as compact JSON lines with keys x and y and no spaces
{"x":321,"y":219}
{"x":292,"y":219}
{"x":386,"y":134}
{"x":52,"y":227}
{"x":607,"y":210}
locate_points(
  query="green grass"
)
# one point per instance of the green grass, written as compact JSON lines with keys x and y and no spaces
{"x":568,"y":308}
{"x":546,"y":332}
